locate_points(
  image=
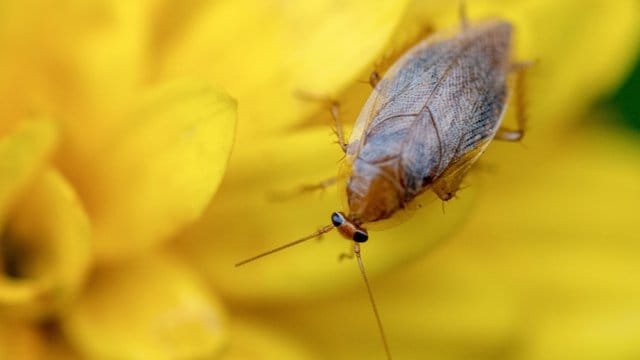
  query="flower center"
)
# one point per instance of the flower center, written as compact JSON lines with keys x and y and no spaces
{"x":16,"y":258}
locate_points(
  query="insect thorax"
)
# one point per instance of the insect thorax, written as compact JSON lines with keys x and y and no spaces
{"x":374,"y":191}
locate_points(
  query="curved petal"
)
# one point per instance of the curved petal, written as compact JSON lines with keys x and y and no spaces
{"x":247,"y":221}
{"x":251,"y":340}
{"x":23,"y":153}
{"x":591,"y":330}
{"x":151,"y":307}
{"x":19,"y":340}
{"x":434,"y":309}
{"x":160,"y":170}
{"x":565,"y":239}
{"x":37,"y":73}
{"x":81,"y":60}
{"x":27,"y":341}
{"x":569,"y":67}
{"x":265,"y":52}
{"x":46,"y":248}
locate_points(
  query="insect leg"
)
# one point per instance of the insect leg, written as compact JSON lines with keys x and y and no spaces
{"x":346,"y":256}
{"x":334,"y":107}
{"x":335,"y":113}
{"x":521,"y":65}
{"x":446,"y":188}
{"x":511,"y":135}
{"x":462,"y":10}
{"x":391,"y":56}
{"x":447,"y":184}
{"x":506,"y":134}
{"x":319,"y":186}
{"x":305,"y":188}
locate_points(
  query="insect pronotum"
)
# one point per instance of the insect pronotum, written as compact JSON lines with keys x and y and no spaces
{"x":427,"y":121}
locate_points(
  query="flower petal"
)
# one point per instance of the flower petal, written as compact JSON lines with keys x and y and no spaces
{"x":45,"y":248}
{"x":251,"y":340}
{"x":565,"y":239}
{"x":246,"y":221}
{"x":81,"y":60}
{"x":434,"y":309}
{"x":264,"y":53}
{"x":27,"y":341}
{"x":37,"y":39}
{"x":160,"y":171}
{"x":19,"y":340}
{"x":591,"y":330}
{"x":563,"y":37}
{"x":22,"y":153}
{"x":151,"y":307}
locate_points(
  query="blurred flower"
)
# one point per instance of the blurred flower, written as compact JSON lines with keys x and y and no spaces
{"x":113,"y":141}
{"x":99,"y":168}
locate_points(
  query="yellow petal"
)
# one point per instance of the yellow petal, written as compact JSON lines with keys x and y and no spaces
{"x":244,"y":220}
{"x":26,"y":341}
{"x":161,"y":169}
{"x":22,"y":154}
{"x":82,"y":60}
{"x":45,"y":248}
{"x":20,"y":341}
{"x":584,"y":179}
{"x":151,"y":307}
{"x":110,"y":65}
{"x":113,"y":56}
{"x":559,"y":229}
{"x":592,"y":330}
{"x":430,"y":310}
{"x":263,"y":53}
{"x":573,"y":239}
{"x":37,"y":73}
{"x":563,"y":37}
{"x":252,"y":340}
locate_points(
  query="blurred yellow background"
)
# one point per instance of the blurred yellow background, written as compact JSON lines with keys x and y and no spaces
{"x":140,"y":141}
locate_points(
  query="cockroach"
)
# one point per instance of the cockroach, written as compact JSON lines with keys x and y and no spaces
{"x":428,"y":119}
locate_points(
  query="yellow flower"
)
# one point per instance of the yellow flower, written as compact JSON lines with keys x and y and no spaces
{"x":45,"y":241}
{"x":97,"y":172}
{"x":114,"y":139}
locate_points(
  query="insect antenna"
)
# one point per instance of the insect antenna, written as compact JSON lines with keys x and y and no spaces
{"x":356,"y":250}
{"x":315,"y":234}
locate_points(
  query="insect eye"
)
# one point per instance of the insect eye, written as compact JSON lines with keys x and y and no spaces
{"x":360,"y":236}
{"x":337,"y":219}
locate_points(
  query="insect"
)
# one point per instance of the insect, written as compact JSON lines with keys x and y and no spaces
{"x":428,"y":119}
